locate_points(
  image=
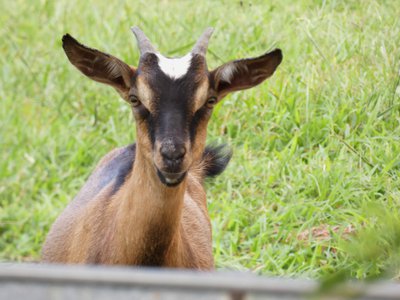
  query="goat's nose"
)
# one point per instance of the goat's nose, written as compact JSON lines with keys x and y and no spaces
{"x":172,"y":151}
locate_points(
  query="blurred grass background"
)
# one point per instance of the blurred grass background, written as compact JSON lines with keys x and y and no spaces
{"x":314,"y":148}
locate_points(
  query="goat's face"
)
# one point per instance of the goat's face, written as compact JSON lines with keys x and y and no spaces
{"x":172,"y":102}
{"x":171,"y":99}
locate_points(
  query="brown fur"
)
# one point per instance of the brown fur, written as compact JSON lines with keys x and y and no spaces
{"x":144,"y":223}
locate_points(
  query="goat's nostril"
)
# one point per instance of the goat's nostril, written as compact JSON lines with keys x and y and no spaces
{"x":173,"y":152}
{"x":181,"y":151}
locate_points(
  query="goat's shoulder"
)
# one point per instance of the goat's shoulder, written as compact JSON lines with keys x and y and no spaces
{"x":112,"y":169}
{"x":107,"y":177}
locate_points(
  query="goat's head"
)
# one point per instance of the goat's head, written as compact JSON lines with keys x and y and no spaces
{"x":172,"y":98}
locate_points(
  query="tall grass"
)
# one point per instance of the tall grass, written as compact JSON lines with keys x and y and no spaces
{"x":314,"y":147}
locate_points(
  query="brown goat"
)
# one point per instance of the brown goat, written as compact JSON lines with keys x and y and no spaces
{"x":145,"y":204}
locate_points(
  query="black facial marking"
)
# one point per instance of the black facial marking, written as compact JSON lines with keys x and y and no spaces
{"x":197,"y":118}
{"x":164,"y":180}
{"x":173,"y":100}
{"x":142,"y":112}
{"x":150,"y":120}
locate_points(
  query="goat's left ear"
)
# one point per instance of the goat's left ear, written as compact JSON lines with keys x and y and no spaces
{"x":244,"y":73}
{"x":99,"y":66}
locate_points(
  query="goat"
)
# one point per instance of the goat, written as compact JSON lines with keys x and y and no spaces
{"x":145,"y":204}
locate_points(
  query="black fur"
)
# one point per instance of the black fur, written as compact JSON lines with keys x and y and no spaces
{"x":216,"y":159}
{"x":172,"y":102}
{"x":124,"y":167}
{"x":116,"y":169}
{"x":198,"y":117}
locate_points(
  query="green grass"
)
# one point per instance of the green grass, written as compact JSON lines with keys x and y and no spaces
{"x":318,"y":145}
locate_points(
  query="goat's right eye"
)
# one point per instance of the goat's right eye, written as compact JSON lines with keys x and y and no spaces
{"x":134,"y":101}
{"x":211,"y":102}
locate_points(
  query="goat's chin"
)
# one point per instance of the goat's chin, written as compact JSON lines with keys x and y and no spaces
{"x":171,"y":179}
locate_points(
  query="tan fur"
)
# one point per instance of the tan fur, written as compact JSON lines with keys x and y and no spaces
{"x":145,"y":93}
{"x":201,"y":94}
{"x":145,"y":222}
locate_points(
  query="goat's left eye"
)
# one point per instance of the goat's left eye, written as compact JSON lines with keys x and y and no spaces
{"x":211,"y":102}
{"x":134,"y":100}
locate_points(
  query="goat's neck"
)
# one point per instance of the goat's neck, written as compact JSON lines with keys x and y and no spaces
{"x":150,"y":214}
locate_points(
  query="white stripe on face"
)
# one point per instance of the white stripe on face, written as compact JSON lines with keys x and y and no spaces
{"x":174,"y":67}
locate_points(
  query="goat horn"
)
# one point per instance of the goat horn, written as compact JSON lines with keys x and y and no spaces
{"x":143,"y":42}
{"x":202,"y":43}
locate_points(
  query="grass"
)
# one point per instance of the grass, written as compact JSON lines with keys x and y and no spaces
{"x":315,"y":147}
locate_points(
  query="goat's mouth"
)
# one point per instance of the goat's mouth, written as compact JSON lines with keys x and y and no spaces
{"x":171,"y":179}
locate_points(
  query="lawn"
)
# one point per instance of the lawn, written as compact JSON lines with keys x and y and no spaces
{"x":313,"y":187}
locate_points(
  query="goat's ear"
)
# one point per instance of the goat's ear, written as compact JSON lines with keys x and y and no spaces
{"x":98,"y":66}
{"x":244,"y":73}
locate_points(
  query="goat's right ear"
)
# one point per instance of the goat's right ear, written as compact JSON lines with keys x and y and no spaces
{"x":99,"y":66}
{"x":245,"y":73}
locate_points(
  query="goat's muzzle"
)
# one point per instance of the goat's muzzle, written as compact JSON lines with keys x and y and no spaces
{"x":171,"y":179}
{"x":172,"y":161}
